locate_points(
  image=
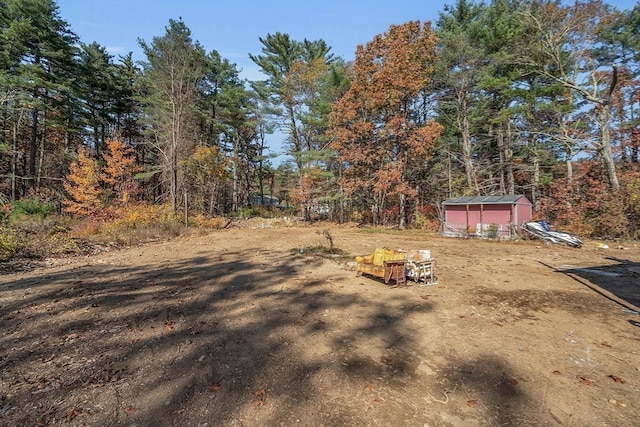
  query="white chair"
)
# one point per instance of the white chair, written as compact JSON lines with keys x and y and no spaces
{"x":421,"y":267}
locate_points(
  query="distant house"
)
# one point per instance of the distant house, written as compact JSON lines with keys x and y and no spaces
{"x":265,"y":200}
{"x":486,"y":216}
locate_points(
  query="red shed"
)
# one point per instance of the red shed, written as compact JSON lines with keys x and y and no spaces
{"x":486,"y":216}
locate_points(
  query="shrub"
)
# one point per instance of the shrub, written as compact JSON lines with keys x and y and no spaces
{"x":5,"y":213}
{"x":33,"y":207}
{"x":142,"y":223}
{"x":10,"y":245}
{"x":206,"y":222}
{"x":258,"y":211}
{"x":426,"y":218}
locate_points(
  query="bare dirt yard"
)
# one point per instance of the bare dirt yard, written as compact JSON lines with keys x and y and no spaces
{"x":248,"y":326}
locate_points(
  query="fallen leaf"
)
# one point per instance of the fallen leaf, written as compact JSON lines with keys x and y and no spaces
{"x":556,"y":372}
{"x":616,"y":379}
{"x":513,"y":381}
{"x":605,"y":344}
{"x":471,"y":403}
{"x":214,"y":388}
{"x":259,"y":397}
{"x":129,"y":409}
{"x":72,"y":413}
{"x":585,"y":380}
{"x":368,"y":387}
{"x":385,"y":360}
{"x":619,"y":403}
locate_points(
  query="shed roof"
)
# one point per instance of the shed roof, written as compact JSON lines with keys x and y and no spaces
{"x":486,"y":200}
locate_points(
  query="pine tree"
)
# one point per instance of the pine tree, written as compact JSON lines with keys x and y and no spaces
{"x":176,"y":66}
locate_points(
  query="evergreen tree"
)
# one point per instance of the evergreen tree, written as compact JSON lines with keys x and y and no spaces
{"x":460,"y":58}
{"x":38,"y":68}
{"x":175,"y":67}
{"x":97,"y":91}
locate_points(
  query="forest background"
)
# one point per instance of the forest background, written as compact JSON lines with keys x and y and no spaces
{"x":506,"y":97}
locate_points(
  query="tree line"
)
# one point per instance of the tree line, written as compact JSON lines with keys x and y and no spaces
{"x":507,"y":97}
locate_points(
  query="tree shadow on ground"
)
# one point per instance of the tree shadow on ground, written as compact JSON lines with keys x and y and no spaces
{"x":617,"y":282}
{"x":489,"y":382}
{"x":202,"y":340}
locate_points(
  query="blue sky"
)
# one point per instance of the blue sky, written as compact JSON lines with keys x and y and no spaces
{"x":232,"y":27}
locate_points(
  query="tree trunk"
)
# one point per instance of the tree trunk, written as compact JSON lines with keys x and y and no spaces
{"x":42,"y":148}
{"x":604,"y":118}
{"x":33,"y":144}
{"x":234,"y":176}
{"x":508,"y":159}
{"x":463,"y":125}
{"x":403,"y":211}
{"x":535,"y":178}
{"x":14,"y":159}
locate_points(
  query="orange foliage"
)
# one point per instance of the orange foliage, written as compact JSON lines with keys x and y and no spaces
{"x":118,"y":172}
{"x":376,"y":127}
{"x":83,"y":187}
{"x":588,"y":207}
{"x":310,"y":185}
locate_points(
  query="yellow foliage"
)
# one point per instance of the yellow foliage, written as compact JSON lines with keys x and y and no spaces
{"x":205,"y":222}
{"x":118,"y":172}
{"x":141,"y":215}
{"x":9,"y":244}
{"x":83,"y":187}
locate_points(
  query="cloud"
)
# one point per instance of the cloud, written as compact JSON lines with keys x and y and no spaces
{"x":115,"y":50}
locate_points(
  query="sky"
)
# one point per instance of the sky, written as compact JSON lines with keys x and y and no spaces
{"x":233,"y":27}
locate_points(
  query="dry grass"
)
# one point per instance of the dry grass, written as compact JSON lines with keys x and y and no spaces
{"x":39,"y":237}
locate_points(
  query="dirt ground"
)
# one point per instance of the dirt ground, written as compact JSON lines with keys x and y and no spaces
{"x":248,"y":327}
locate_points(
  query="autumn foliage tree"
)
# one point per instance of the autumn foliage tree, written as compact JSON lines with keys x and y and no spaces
{"x":206,"y":169}
{"x":380,"y":127}
{"x":85,"y":195}
{"x":118,"y":172}
{"x":588,"y":207}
